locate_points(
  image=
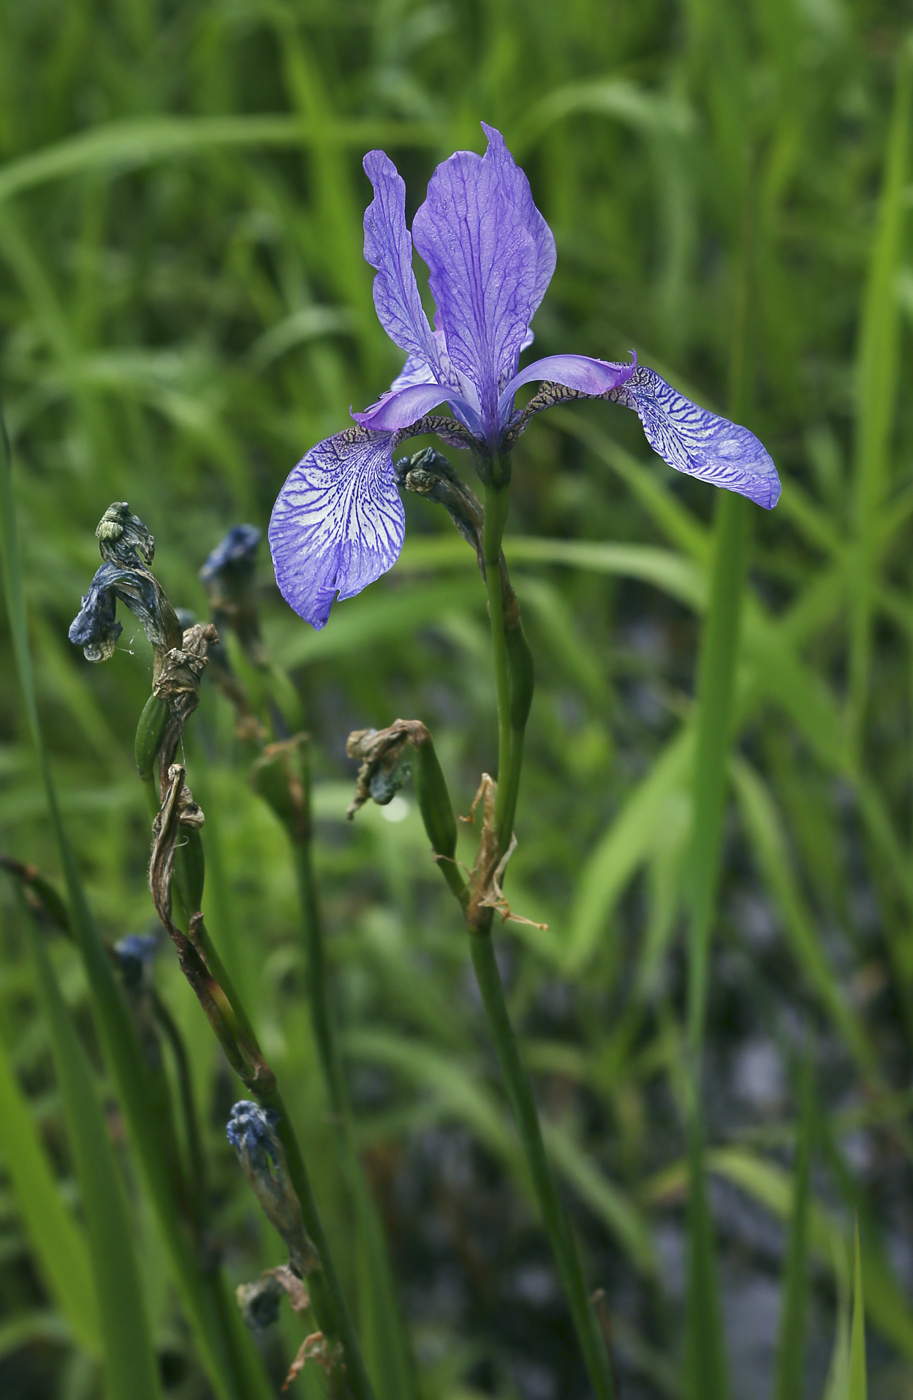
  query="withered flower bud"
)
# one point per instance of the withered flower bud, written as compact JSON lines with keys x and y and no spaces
{"x":228,"y":576}
{"x":123,"y":538}
{"x":134,"y":954}
{"x":385,"y":762}
{"x":251,"y":1130}
{"x":281,"y":776}
{"x":127,"y":548}
{"x":430,"y":474}
{"x":259,"y":1301}
{"x":95,"y":627}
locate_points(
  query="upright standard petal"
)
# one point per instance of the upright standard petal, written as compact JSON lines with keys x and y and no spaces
{"x":516,"y":190}
{"x":487,"y":258}
{"x":338,"y":523}
{"x":388,"y":248}
{"x":698,"y":442}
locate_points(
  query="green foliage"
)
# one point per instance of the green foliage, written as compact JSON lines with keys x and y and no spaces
{"x":185,"y":311}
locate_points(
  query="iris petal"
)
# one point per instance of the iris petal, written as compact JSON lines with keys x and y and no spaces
{"x":399,"y":408}
{"x":517,"y":192}
{"x":388,"y":248}
{"x":338,"y":523}
{"x":489,"y":255}
{"x":415,"y":371}
{"x":698,"y":442}
{"x":578,"y":372}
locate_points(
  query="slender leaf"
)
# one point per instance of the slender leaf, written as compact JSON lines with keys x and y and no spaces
{"x":126,"y":145}
{"x":129,"y":1363}
{"x":794,"y":1305}
{"x":857,"y":1388}
{"x":58,"y":1242}
{"x":770,"y":845}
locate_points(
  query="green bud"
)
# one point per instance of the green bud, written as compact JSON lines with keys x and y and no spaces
{"x":149,"y":733}
{"x":433,"y":798}
{"x":190,"y":870}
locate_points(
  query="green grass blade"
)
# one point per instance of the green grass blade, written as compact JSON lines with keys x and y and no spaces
{"x":794,"y":1306}
{"x":772,"y":1187}
{"x":59,"y":1243}
{"x":383,"y":1334}
{"x":705,"y":1373}
{"x":129,"y":1363}
{"x":858,"y":1388}
{"x":877,"y":369}
{"x":462,"y":1098}
{"x":129,"y":144}
{"x":704,"y":1359}
{"x":627,"y":844}
{"x":838,"y":1376}
{"x":769,"y":843}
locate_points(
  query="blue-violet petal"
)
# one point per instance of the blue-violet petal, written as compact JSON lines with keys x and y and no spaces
{"x":577,"y":372}
{"x":484,"y":248}
{"x":388,"y":248}
{"x":400,"y":408}
{"x":338,"y":523}
{"x":702,"y":444}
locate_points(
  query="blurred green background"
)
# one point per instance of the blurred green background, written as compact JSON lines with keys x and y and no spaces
{"x":185,"y":310}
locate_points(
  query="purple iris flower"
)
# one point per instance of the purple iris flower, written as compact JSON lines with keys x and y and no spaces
{"x":338,"y":523}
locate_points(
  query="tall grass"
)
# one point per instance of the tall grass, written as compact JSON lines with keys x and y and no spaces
{"x":716,"y":820}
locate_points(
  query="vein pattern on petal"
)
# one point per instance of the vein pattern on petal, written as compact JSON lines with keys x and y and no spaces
{"x":487,"y":254}
{"x":700,"y":443}
{"x":338,"y":523}
{"x":388,"y":248}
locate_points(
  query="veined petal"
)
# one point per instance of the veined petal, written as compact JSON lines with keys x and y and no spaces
{"x":414,"y":371}
{"x":488,"y":254}
{"x":399,"y":408}
{"x":698,"y":442}
{"x":515,"y":187}
{"x":388,"y":248}
{"x":578,"y":372}
{"x":338,"y":523}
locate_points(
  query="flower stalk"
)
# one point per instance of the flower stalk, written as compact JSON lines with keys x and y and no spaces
{"x":265,"y":700}
{"x":513,"y":668}
{"x":177,"y":869}
{"x":386,"y":757}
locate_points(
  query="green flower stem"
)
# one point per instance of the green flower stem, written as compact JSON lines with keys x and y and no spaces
{"x":497,"y":500}
{"x":318,"y":997}
{"x":327,"y":1298}
{"x":513,"y":685}
{"x":523,"y":1105}
{"x":240,"y":1044}
{"x":392,"y":1362}
{"x":521,"y":680}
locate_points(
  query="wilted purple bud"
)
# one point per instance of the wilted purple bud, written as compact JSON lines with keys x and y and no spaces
{"x":251,"y":1130}
{"x":95,"y":627}
{"x":235,"y":554}
{"x":135,"y":953}
{"x":228,"y":575}
{"x":123,"y":538}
